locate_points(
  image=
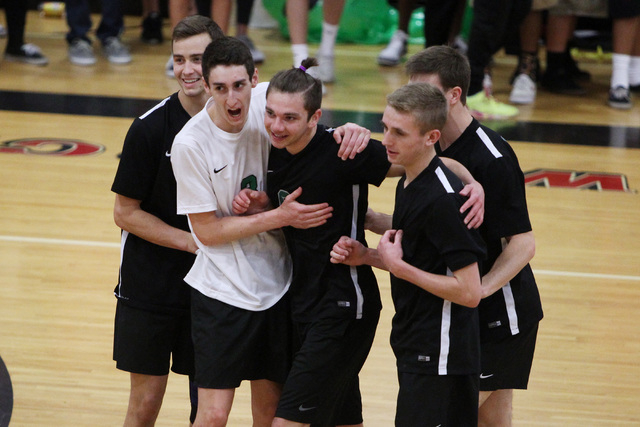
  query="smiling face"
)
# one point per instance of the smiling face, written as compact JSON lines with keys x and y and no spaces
{"x":287,"y":121}
{"x":187,"y":63}
{"x":230,"y":87}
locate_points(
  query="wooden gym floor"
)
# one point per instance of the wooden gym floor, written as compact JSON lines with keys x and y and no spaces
{"x":59,"y":247}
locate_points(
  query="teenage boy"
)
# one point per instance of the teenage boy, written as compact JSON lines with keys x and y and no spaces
{"x":242,"y":269}
{"x":153,"y":321}
{"x":433,"y":260}
{"x":510,"y":310}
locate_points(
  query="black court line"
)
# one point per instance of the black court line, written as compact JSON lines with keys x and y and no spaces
{"x":105,"y":106}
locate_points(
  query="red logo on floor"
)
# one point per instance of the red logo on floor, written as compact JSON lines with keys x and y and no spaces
{"x":580,"y":180}
{"x":50,"y":147}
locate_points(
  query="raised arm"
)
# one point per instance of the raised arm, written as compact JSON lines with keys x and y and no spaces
{"x":129,"y":216}
{"x":472,"y":189}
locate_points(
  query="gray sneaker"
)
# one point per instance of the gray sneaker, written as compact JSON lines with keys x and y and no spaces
{"x":81,"y":53}
{"x":257,"y":54}
{"x":115,"y":51}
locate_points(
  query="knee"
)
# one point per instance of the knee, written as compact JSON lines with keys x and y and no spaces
{"x":145,"y":410}
{"x":211,"y":417}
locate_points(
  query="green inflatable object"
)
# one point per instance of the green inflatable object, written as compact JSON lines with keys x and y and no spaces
{"x":363,"y":22}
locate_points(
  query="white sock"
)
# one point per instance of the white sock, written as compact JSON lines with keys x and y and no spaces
{"x":634,"y":71}
{"x":329,"y":35}
{"x":620,"y":70}
{"x":300,"y":53}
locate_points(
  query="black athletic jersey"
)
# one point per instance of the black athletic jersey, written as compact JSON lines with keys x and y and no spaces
{"x":431,"y":335}
{"x":320,"y":288}
{"x":151,"y":276}
{"x":494,"y":164}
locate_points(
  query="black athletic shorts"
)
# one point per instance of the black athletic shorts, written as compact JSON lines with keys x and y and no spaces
{"x":232,"y":344}
{"x":437,"y":400}
{"x":145,"y":342}
{"x":322,"y":388}
{"x":506,"y":364}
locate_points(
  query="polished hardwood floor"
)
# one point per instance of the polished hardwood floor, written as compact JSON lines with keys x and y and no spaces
{"x":59,"y":247}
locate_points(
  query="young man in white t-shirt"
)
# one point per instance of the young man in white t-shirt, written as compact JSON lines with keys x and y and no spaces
{"x":242,"y":271}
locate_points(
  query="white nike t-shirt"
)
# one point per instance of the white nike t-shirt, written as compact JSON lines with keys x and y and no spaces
{"x":211,"y":166}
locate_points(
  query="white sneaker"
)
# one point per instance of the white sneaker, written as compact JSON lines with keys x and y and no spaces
{"x":326,"y":69}
{"x":524,"y":90}
{"x":115,"y":51}
{"x":395,"y":50}
{"x":168,"y":68}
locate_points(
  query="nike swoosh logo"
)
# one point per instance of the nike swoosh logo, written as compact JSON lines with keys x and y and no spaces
{"x":218,"y":170}
{"x":303,"y":409}
{"x":168,"y":154}
{"x":483,"y":376}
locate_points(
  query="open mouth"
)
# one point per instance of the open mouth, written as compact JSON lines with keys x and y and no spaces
{"x":234,"y":113}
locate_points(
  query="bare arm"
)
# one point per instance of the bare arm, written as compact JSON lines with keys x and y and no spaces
{"x":212,"y":230}
{"x":377,"y":222}
{"x":463,"y":288}
{"x":351,"y":252}
{"x":473,"y":190}
{"x":519,"y":250}
{"x":128,"y":215}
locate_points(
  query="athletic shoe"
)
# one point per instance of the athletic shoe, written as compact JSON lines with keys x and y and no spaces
{"x":168,"y":67}
{"x":115,"y":51}
{"x":257,"y":54}
{"x":395,"y":50}
{"x":29,"y":54}
{"x":574,"y":71}
{"x":326,"y":71}
{"x":484,"y":106}
{"x":561,"y":82}
{"x":152,"y":29}
{"x":3,"y":31}
{"x":81,"y":53}
{"x":620,"y":98}
{"x":524,"y":90}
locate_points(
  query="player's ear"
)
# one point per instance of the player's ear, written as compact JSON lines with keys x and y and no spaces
{"x":454,"y":95}
{"x":431,"y":137}
{"x":315,"y":118}
{"x":254,"y":78}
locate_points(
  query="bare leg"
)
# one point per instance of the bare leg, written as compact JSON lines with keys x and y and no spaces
{"x":221,"y":13}
{"x":145,"y":399}
{"x":264,"y":401}
{"x":495,"y":408}
{"x":214,"y":406}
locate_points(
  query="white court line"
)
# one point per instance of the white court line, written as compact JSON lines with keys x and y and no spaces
{"x":22,"y":239}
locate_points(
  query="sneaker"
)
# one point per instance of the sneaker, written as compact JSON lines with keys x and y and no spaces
{"x":29,"y":54}
{"x":574,"y":71}
{"x":315,"y":73}
{"x":115,"y":51}
{"x":560,"y":81}
{"x":395,"y":50}
{"x":524,"y":90}
{"x":81,"y":53}
{"x":3,"y":31}
{"x":482,"y":105}
{"x":258,"y":56}
{"x":326,"y":71}
{"x":620,"y":98}
{"x":168,"y":67}
{"x":152,"y":29}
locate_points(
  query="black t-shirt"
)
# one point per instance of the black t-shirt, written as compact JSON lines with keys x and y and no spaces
{"x":320,"y":288}
{"x":494,"y":164}
{"x":431,"y":335}
{"x":151,"y":276}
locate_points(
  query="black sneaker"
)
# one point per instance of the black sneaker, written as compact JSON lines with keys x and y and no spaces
{"x":152,"y":29}
{"x":561,"y":82}
{"x":620,"y":97}
{"x":29,"y":54}
{"x":634,"y":88}
{"x":574,"y":71}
